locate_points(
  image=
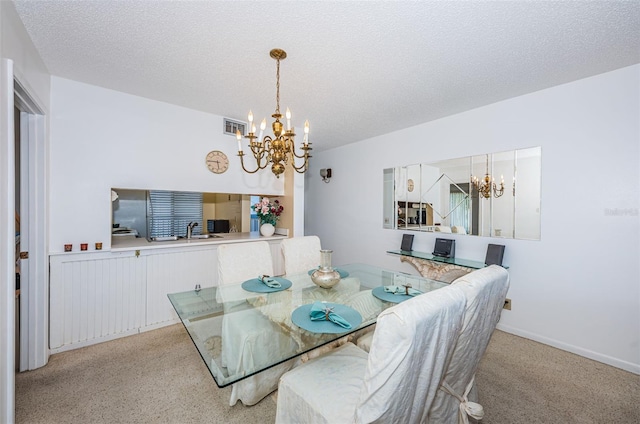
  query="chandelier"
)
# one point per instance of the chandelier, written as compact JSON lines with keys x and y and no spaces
{"x":487,"y":185}
{"x":278,"y":150}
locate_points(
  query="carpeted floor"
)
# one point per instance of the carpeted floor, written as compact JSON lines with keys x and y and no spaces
{"x":159,"y":377}
{"x":522,"y":381}
{"x":153,"y":377}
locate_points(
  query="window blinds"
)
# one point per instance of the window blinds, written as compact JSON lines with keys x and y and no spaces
{"x":171,"y":211}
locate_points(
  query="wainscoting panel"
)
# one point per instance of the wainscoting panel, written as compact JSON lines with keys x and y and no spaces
{"x":93,"y":298}
{"x":100,"y":296}
{"x":177,"y":272}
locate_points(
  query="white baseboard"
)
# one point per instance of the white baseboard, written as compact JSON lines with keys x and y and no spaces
{"x":84,"y":343}
{"x":110,"y":337}
{"x":605,"y":359}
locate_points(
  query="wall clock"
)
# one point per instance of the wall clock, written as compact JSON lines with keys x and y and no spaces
{"x":410,"y":185}
{"x":217,"y":162}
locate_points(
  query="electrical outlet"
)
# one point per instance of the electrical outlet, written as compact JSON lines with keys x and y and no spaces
{"x":507,"y":304}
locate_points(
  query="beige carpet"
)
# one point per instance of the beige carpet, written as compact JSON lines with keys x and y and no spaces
{"x":159,"y":377}
{"x":521,"y":381}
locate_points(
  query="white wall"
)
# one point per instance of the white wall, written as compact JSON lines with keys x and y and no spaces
{"x":578,"y":288}
{"x":102,"y":139}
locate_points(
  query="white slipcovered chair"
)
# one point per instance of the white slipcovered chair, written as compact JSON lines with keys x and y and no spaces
{"x":248,"y":337}
{"x":300,"y":254}
{"x":485,"y":290}
{"x":396,"y":382}
{"x":443,"y":229}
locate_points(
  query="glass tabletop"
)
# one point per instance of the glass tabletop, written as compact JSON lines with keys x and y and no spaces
{"x":240,"y":333}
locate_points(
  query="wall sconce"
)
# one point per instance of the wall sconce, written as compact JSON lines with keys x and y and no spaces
{"x":325,"y":174}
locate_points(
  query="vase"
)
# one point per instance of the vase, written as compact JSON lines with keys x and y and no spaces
{"x":267,"y":229}
{"x":325,"y":276}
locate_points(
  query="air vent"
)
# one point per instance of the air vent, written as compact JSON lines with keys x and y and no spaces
{"x":229,"y":126}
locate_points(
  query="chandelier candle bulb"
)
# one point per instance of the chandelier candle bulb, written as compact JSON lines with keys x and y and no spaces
{"x":250,"y":117}
{"x":306,"y":132}
{"x":239,"y":138}
{"x":263,"y":125}
{"x":288,"y":115}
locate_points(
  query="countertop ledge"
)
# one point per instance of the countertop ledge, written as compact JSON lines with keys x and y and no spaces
{"x":125,"y":243}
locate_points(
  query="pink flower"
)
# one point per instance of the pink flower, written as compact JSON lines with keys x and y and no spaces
{"x":268,"y":212}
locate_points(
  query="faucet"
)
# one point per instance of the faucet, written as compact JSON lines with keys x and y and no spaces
{"x":190,"y":227}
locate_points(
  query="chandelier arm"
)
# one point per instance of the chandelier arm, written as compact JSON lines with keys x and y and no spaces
{"x":245,"y":169}
{"x":497,"y":193}
{"x":302,"y":156}
{"x":305,"y":150}
{"x":260,"y":150}
{"x":302,"y":168}
{"x":258,"y":153}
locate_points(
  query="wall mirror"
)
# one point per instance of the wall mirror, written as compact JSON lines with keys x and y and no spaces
{"x":491,"y":195}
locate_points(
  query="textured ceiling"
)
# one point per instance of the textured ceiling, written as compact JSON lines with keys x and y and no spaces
{"x":354,"y":69}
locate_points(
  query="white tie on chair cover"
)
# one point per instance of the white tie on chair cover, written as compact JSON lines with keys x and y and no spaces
{"x":248,"y":336}
{"x":300,"y":254}
{"x":485,"y":290}
{"x":396,"y":382}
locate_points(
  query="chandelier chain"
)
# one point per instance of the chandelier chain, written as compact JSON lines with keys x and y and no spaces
{"x":278,"y":87}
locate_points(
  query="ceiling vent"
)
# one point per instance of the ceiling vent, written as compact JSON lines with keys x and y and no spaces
{"x":229,"y":126}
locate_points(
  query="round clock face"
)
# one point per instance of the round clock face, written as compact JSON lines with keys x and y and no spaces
{"x":217,"y":162}
{"x":410,"y":185}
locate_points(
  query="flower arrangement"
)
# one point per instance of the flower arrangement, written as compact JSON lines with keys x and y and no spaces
{"x":268,"y":213}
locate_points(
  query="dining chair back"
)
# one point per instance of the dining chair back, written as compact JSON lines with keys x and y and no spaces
{"x":485,"y":290}
{"x":249,"y":337}
{"x":238,"y":262}
{"x":443,"y":228}
{"x":300,"y":254}
{"x":396,"y":382}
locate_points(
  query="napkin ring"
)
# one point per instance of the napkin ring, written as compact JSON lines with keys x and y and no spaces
{"x":327,"y":311}
{"x":406,"y":288}
{"x":263,"y":277}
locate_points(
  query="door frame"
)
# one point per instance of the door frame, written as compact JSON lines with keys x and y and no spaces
{"x":13,"y":93}
{"x":34,"y":289}
{"x":7,"y":244}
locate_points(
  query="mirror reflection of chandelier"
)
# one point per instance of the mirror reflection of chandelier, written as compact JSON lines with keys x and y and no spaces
{"x":279,"y":150}
{"x":487,"y":185}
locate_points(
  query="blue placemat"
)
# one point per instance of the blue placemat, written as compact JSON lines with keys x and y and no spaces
{"x":257,"y":286}
{"x":389,"y":297}
{"x":300,"y":317}
{"x":342,"y":272}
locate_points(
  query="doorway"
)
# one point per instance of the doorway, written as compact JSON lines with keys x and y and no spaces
{"x":34,"y":293}
{"x":32,"y":309}
{"x":16,"y":127}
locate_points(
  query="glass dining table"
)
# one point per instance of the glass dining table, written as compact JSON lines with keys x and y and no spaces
{"x":240,"y":330}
